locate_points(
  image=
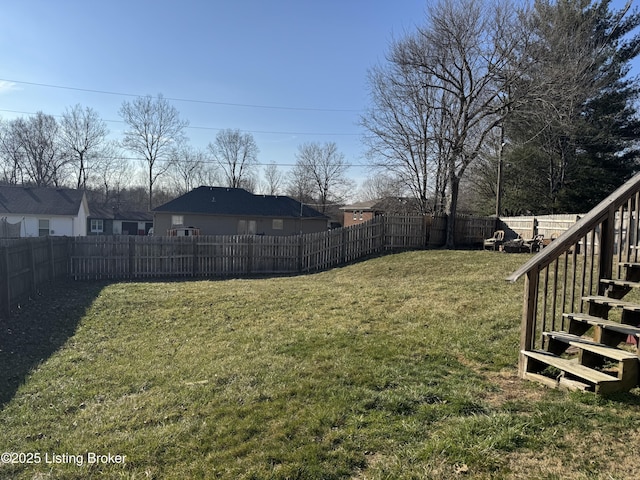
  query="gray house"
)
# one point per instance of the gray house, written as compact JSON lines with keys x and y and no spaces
{"x":234,"y":211}
{"x":110,"y":221}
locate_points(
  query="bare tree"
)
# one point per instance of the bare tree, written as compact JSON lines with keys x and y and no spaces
{"x":37,"y":148}
{"x":111,"y":174}
{"x":188,"y":169}
{"x":155,"y":128}
{"x":273,"y":179}
{"x":400,"y":139}
{"x":324,"y":167}
{"x":381,"y":186}
{"x":11,"y":156}
{"x":236,"y":154}
{"x":462,"y":59}
{"x":82,"y":134}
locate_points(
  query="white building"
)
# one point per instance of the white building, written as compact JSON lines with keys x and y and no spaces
{"x":39,"y":211}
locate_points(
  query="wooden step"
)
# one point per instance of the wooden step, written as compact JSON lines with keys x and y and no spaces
{"x":604,"y":351}
{"x":620,"y":283}
{"x":561,"y":383}
{"x":604,"y":323}
{"x":612,"y":302}
{"x":599,"y":382}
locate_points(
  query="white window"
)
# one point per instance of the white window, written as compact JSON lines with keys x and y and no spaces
{"x":97,"y":225}
{"x":277,"y":224}
{"x":247,"y":227}
{"x":177,"y":220}
{"x":43,"y":227}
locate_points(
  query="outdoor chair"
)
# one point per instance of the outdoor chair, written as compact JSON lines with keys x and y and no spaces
{"x":494,"y":242}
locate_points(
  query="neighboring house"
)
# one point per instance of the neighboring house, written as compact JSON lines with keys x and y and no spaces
{"x":111,"y":221}
{"x":40,"y":211}
{"x":234,"y":211}
{"x":361,"y":212}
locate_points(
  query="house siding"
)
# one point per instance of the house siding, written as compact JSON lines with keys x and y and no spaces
{"x":349,"y":220}
{"x":228,"y":225}
{"x":58,"y":226}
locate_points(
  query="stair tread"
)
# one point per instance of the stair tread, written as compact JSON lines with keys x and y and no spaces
{"x":573,"y":368}
{"x":612,"y":302}
{"x":602,"y":322}
{"x":566,"y":383}
{"x":620,"y":283}
{"x":591,"y":346}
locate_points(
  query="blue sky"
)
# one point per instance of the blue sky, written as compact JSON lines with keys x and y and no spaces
{"x":308,"y":59}
{"x":288,"y":71}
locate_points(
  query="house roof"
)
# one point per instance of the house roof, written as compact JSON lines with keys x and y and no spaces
{"x":388,"y":205}
{"x":21,"y":200}
{"x":127,"y":215}
{"x":368,"y":205}
{"x":237,"y":202}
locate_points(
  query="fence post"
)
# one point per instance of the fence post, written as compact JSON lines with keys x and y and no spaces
{"x":52,"y":265}
{"x":32,"y":261}
{"x":194,"y":266}
{"x":249,"y":254}
{"x":300,"y":253}
{"x":344,"y":246}
{"x":5,"y":298}
{"x":132,"y":255}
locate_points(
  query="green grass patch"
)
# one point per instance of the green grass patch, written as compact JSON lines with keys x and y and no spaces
{"x":399,"y":367}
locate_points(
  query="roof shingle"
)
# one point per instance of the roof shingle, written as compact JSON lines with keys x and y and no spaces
{"x":237,"y":202}
{"x":21,"y":200}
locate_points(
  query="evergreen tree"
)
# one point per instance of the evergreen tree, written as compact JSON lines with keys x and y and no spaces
{"x":574,"y":136}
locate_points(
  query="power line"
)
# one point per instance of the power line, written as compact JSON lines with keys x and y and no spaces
{"x":263,"y":132}
{"x":187,"y":100}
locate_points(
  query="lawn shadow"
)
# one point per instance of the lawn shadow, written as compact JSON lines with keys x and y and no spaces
{"x":38,"y":328}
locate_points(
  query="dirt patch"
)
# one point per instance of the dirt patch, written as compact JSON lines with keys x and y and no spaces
{"x":510,"y":387}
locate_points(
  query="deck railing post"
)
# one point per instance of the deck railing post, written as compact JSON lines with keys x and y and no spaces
{"x":528,"y":327}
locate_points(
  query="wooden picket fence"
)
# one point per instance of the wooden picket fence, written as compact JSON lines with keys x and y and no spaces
{"x":25,"y":264}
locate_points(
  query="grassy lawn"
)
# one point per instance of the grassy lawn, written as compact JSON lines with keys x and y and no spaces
{"x":400,"y":367}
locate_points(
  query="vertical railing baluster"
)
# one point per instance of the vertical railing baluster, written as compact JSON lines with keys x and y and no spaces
{"x":636,"y":228}
{"x":574,"y":272}
{"x":617,"y":232}
{"x":592,"y":262}
{"x":565,"y":273}
{"x":583,"y":281}
{"x":545,"y":297}
{"x":554,"y":312}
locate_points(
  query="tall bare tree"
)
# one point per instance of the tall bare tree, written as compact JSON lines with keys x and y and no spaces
{"x":323,"y":167}
{"x":399,"y":135}
{"x":11,"y":156}
{"x":236,"y":154}
{"x":37,"y":147}
{"x":460,"y":64}
{"x":83,"y":133}
{"x":154,"y":129}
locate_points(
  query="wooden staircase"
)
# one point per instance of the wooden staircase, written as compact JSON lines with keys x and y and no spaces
{"x":593,"y":353}
{"x":581,"y":314}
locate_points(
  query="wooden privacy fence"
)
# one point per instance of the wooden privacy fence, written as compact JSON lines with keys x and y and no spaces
{"x":27,"y":263}
{"x":102,"y":257}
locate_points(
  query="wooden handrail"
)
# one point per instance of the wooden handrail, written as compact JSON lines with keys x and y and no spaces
{"x":598,"y":214}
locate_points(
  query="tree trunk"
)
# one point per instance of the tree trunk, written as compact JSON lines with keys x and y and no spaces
{"x":452,"y":208}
